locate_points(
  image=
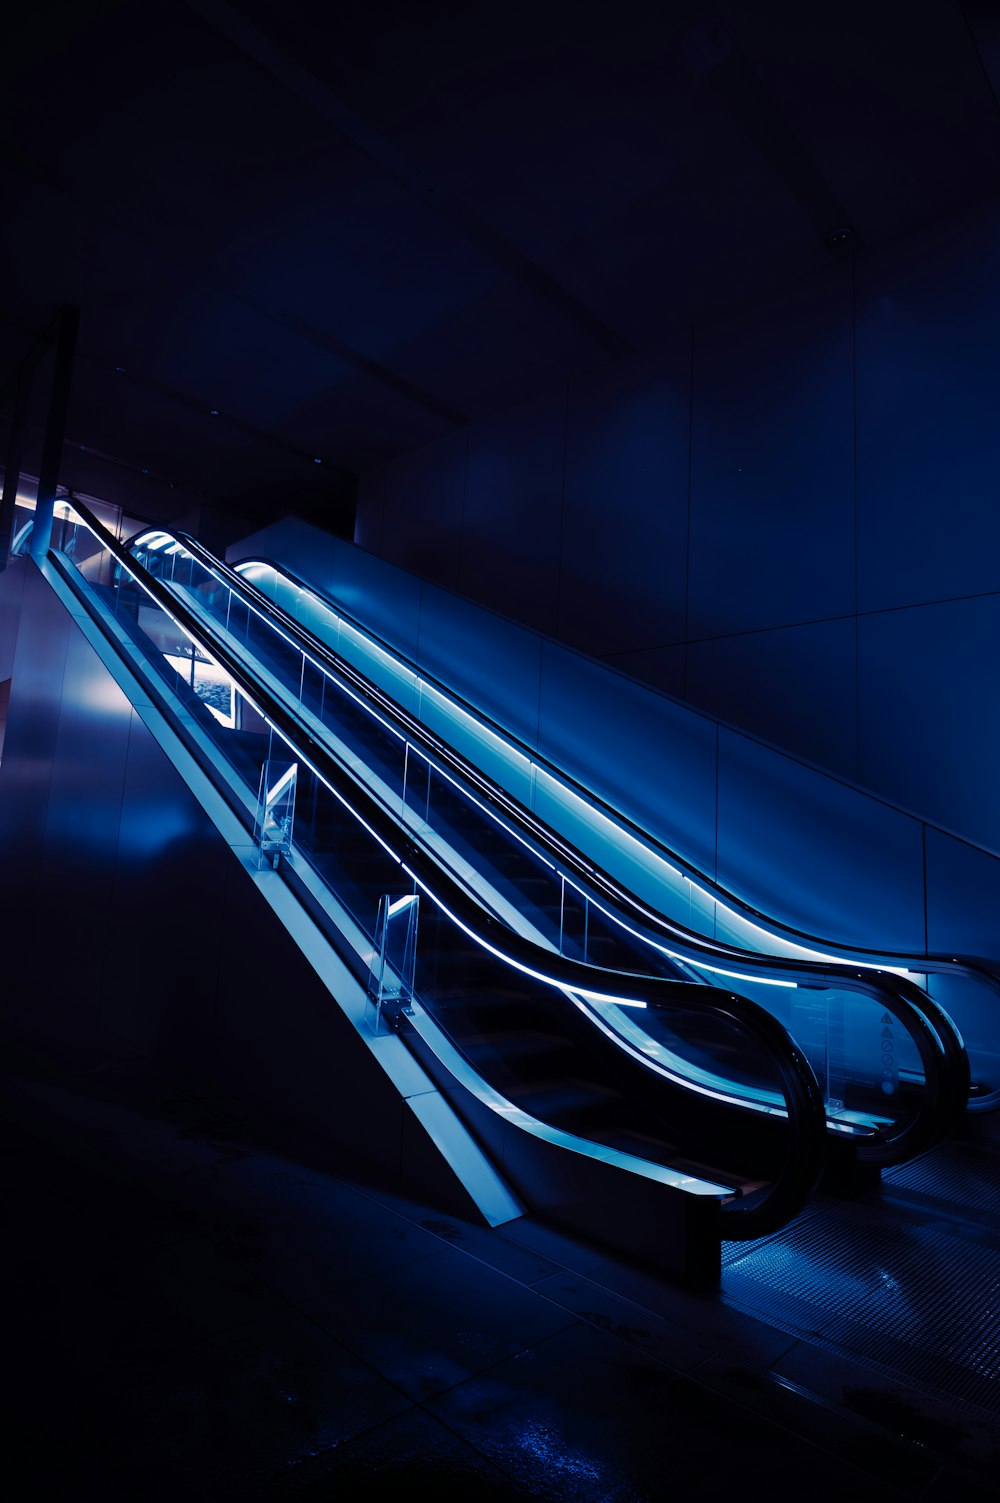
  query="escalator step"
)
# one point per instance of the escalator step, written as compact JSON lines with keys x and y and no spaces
{"x":566,"y":1103}
{"x":517,"y":1047}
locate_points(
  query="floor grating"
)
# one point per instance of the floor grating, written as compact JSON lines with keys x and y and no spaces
{"x":899,"y":1281}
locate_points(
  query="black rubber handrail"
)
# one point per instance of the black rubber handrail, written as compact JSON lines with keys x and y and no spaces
{"x":982,"y":969}
{"x":939,"y":1046}
{"x":770,"y":1206}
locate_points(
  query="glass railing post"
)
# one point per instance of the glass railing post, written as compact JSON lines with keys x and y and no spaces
{"x":393,"y":962}
{"x":416,"y":787}
{"x":810,"y":1028}
{"x":275,"y":812}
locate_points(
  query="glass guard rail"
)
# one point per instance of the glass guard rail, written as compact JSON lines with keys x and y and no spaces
{"x":893,"y":1068}
{"x":970,"y":984}
{"x":711,"y":1090}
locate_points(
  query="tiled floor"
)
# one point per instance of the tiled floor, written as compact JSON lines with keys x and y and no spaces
{"x":195,"y":1313}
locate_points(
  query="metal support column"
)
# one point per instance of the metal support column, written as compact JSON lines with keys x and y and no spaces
{"x":48,"y":479}
{"x":12,"y":464}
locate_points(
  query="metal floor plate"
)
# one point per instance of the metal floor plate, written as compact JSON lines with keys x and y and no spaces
{"x":963,"y":1176}
{"x":906,"y":1279}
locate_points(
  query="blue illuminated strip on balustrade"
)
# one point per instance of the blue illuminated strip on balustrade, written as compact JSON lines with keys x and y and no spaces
{"x":922,"y":1019}
{"x":611,"y":828}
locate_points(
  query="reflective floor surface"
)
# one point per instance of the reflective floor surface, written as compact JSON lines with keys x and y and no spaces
{"x":198,"y":1309}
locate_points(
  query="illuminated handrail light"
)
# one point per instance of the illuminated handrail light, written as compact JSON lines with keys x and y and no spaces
{"x":675,"y":955}
{"x":518,"y":965}
{"x":767,"y":1102}
{"x":621,"y":835}
{"x":701,"y":965}
{"x":617,"y":919}
{"x":696,"y":966}
{"x":321,"y":668}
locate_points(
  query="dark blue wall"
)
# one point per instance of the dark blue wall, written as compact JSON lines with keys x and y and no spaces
{"x":788,"y":518}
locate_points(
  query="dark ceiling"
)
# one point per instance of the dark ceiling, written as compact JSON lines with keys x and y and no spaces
{"x":306,"y":232}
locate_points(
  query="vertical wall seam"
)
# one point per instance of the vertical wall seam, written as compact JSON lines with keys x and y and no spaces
{"x":854,"y":483}
{"x":687,"y":540}
{"x":562,"y":519}
{"x":718,"y":753}
{"x":923,"y":864}
{"x":461,"y":510}
{"x":963,"y":12}
{"x":63,"y":669}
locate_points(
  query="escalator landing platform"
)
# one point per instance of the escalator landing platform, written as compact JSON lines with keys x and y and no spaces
{"x":202,"y":1308}
{"x":904,"y":1279}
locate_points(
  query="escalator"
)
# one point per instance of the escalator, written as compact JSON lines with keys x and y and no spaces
{"x":701,"y":1116}
{"x":966,"y":986}
{"x":531,"y":1002}
{"x":903,"y":1079}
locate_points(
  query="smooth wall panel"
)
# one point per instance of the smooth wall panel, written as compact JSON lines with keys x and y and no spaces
{"x":491,"y":662}
{"x":422,"y":513}
{"x":38,"y":669}
{"x":662,"y":668}
{"x":963,"y":897}
{"x":645,"y":754}
{"x":32,"y":901}
{"x":624,"y":540}
{"x":287,"y":1043}
{"x":795,"y":687}
{"x":385,"y":600}
{"x":512,"y":521}
{"x":369,"y":507}
{"x":816,"y":853}
{"x":37,"y":674}
{"x":84,"y":810}
{"x":272,"y":541}
{"x":170,"y":875}
{"x":772,"y":487}
{"x":930,"y":712}
{"x":11,"y":589}
{"x":928,"y":395}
